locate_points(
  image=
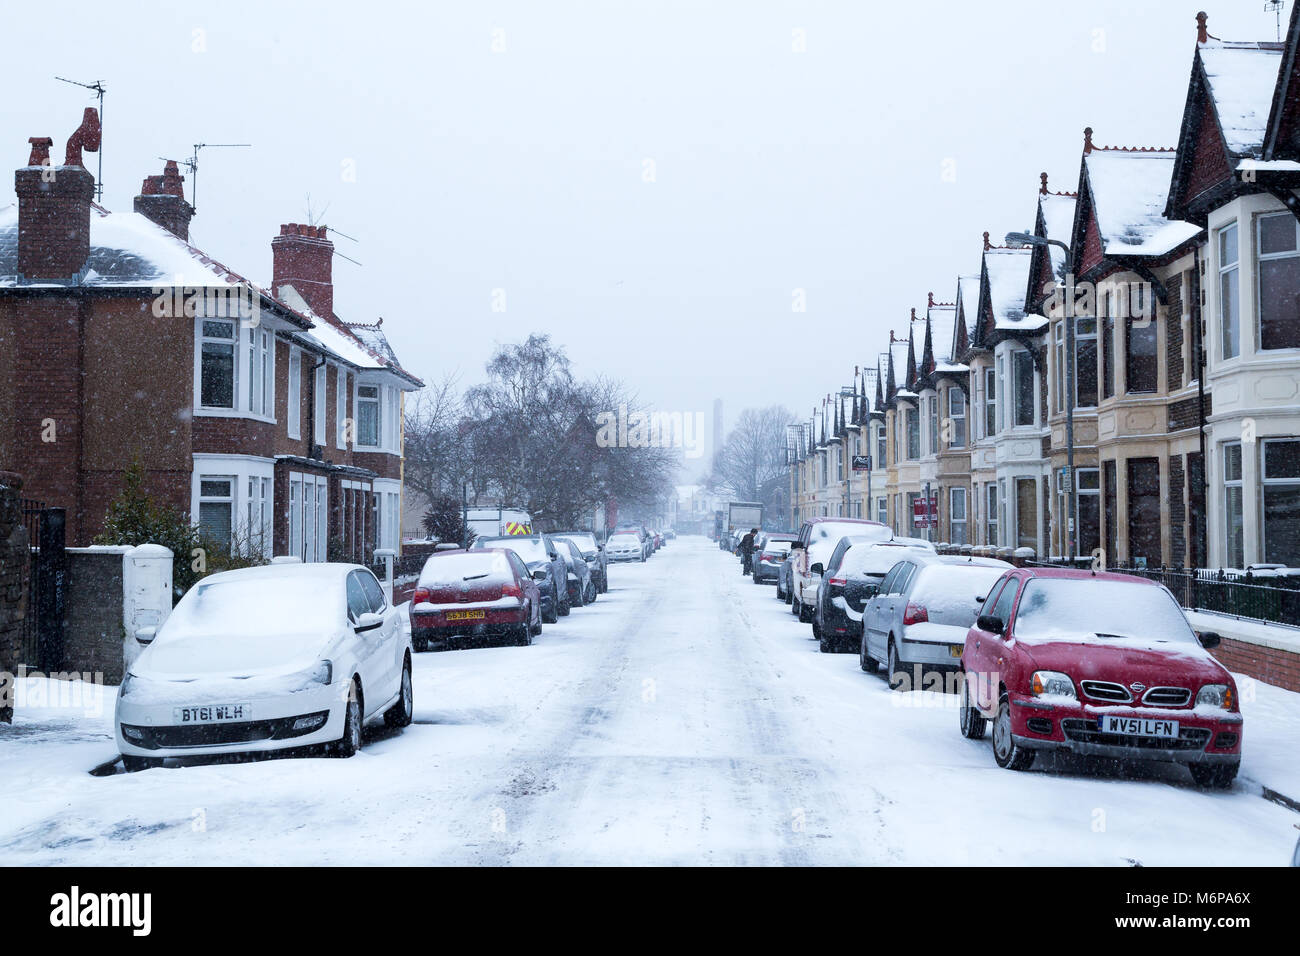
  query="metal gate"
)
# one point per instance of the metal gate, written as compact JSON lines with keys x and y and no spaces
{"x":47,"y":583}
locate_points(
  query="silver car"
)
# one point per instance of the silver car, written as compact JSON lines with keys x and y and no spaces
{"x":918,"y":619}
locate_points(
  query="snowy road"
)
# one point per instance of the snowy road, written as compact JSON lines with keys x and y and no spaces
{"x":686,"y":717}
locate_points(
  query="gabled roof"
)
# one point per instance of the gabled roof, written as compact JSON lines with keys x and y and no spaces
{"x":1003,"y":280}
{"x":1049,"y":264}
{"x":968,"y":311}
{"x":940,"y":339}
{"x":1282,"y":139}
{"x":1123,"y":194}
{"x":1226,"y":116}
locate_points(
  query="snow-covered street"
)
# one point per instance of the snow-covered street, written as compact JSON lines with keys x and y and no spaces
{"x":684,"y":718}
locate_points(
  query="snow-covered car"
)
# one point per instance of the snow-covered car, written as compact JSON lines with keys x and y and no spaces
{"x":592,"y":553}
{"x":582,"y":590}
{"x":478,"y":593}
{"x":267,"y":658}
{"x":918,"y":618}
{"x":853,"y":575}
{"x":1102,"y":664}
{"x":809,"y":554}
{"x":625,"y":546}
{"x":539,"y":553}
{"x":769,"y":556}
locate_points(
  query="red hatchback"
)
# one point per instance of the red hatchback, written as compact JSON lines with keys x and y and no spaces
{"x":1101,"y":664}
{"x":486,"y":591}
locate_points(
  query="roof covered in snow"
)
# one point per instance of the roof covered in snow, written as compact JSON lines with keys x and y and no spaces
{"x":1058,"y":217}
{"x":1241,"y":78}
{"x":1129,"y":190}
{"x":1008,"y":277}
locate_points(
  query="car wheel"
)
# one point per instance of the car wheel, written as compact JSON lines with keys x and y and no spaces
{"x":865,"y":660}
{"x":1219,"y":776}
{"x":789,"y":595}
{"x":537,"y":628}
{"x":892,"y":672}
{"x":350,"y":742}
{"x":805,"y":613}
{"x":565,"y":607}
{"x":780,"y":594}
{"x":972,"y":722}
{"x":550,"y":617}
{"x":400,"y":714}
{"x":1006,"y":752}
{"x":817,"y":628}
{"x":589,"y":596}
{"x":132,"y":764}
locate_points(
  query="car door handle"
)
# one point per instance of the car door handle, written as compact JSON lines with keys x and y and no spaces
{"x":977,"y":644}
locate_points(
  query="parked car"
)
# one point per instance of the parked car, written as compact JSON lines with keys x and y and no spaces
{"x":592,"y":552}
{"x":476,"y":593}
{"x":1102,"y":664}
{"x":773,"y":551}
{"x":918,"y":619}
{"x":582,"y":590}
{"x":810,"y":552}
{"x":853,"y":575}
{"x":642,"y":536}
{"x":624,"y":546}
{"x":267,"y":658}
{"x":784,"y":575}
{"x":539,"y":553}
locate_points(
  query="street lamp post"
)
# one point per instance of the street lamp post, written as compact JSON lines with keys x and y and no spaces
{"x":1029,"y":239}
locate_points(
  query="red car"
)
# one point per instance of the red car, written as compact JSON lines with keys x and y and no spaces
{"x":486,"y":591}
{"x":1101,"y":664}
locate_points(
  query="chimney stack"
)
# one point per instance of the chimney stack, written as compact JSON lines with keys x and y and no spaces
{"x":303,"y":257}
{"x":162,"y":200}
{"x":54,"y":208}
{"x":1202,"y":34}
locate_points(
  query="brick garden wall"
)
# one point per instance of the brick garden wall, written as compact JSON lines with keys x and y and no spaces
{"x":1268,"y":664}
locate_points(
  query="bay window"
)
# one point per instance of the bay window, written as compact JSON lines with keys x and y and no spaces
{"x":1140,"y":362}
{"x":1085,"y":362}
{"x":217,"y":363}
{"x":1023,"y":371}
{"x":216,"y":506}
{"x":368,"y":417}
{"x":957,"y":415}
{"x":990,"y":403}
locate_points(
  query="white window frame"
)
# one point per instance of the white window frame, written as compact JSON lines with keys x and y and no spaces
{"x":956,"y":494}
{"x":1260,"y":258}
{"x":357,"y":402}
{"x":1266,"y":483}
{"x":320,"y":394}
{"x":1226,"y":269}
{"x":957,"y":416}
{"x":294,"y":398}
{"x":202,"y":337}
{"x":1229,"y":485}
{"x":244,"y":472}
{"x":309,"y":527}
{"x":343,"y":388}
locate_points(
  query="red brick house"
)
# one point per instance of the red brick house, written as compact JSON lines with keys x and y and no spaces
{"x":257,"y":411}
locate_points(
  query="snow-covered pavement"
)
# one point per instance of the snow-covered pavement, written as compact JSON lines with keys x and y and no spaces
{"x":686,"y":717}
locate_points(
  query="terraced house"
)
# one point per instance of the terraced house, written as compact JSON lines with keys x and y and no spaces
{"x":1180,"y":269}
{"x":258,"y":411}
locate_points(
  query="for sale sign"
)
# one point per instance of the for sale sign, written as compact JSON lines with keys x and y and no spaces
{"x":925,"y":512}
{"x":861,"y":462}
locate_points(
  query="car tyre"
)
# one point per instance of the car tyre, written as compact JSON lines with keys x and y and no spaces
{"x":589,"y":596}
{"x":400,"y":714}
{"x":892,"y":672}
{"x":865,"y":660}
{"x":350,"y":742}
{"x":1218,"y":776}
{"x":132,"y":764}
{"x":971,"y":721}
{"x":536,"y":628}
{"x":1006,"y":752}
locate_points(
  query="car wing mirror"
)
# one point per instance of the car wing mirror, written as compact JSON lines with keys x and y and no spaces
{"x":1209,"y":639}
{"x":817,"y":568}
{"x":539,"y":575}
{"x":145,"y":635}
{"x":980,"y":599}
{"x":987,"y":622}
{"x":368,"y":622}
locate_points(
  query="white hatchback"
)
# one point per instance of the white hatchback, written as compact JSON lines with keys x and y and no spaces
{"x":267,"y":658}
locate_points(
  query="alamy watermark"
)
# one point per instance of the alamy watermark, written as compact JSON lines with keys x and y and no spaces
{"x":640,"y":429}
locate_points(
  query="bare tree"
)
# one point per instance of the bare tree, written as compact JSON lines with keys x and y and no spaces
{"x":752,"y":461}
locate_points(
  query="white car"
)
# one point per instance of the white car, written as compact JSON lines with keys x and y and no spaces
{"x":625,"y":547}
{"x":809,"y":554}
{"x":267,"y":658}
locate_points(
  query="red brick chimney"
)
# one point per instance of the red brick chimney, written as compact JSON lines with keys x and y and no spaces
{"x":303,"y":257}
{"x":54,"y":208}
{"x":162,"y":200}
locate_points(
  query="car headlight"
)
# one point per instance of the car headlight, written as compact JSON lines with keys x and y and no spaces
{"x":1216,"y":695}
{"x":1051,"y":684}
{"x":320,"y":673}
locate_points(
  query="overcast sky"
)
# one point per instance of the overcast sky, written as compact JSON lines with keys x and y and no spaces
{"x":649,"y":182}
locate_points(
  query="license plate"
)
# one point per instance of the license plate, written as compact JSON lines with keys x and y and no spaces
{"x":213,"y":714}
{"x":466,"y":615}
{"x":1137,"y":726}
{"x":956,"y":649}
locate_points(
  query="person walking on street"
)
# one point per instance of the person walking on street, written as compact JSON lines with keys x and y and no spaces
{"x":747,"y":551}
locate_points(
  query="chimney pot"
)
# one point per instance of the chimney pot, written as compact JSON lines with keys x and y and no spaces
{"x":40,"y":150}
{"x":987,"y":245}
{"x":1202,"y":34}
{"x":1042,"y":178}
{"x":162,"y":201}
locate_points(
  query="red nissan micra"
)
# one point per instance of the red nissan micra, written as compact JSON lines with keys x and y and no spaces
{"x":1097,"y":663}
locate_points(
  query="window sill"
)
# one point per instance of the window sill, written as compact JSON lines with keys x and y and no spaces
{"x":232,"y":413}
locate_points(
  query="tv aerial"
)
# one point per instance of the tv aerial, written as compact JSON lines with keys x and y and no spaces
{"x":98,"y":88}
{"x":192,"y":164}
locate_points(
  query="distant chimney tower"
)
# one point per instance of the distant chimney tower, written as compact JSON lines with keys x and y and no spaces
{"x":303,"y":257}
{"x":162,"y":200}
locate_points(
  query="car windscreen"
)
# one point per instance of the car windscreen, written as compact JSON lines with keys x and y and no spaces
{"x":834,"y":530}
{"x":625,"y":540}
{"x":1108,"y":611}
{"x":585,"y":542}
{"x":777,"y":547}
{"x":530,"y":549}
{"x":456,"y":568}
{"x":268,"y":606}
